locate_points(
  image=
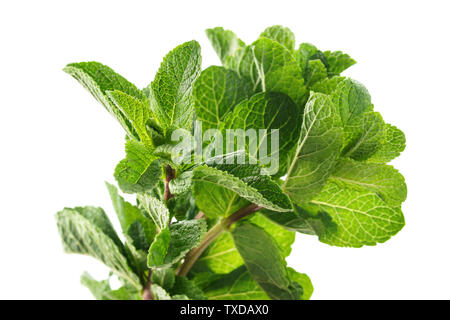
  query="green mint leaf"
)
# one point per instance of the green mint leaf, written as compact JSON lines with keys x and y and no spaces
{"x":281,"y":35}
{"x":303,"y":54}
{"x":338,"y":61}
{"x":140,"y":171}
{"x":158,"y":293}
{"x":222,"y":256}
{"x":256,"y":189}
{"x":352,"y":100}
{"x":131,"y":218}
{"x":136,"y":112}
{"x":236,"y":285}
{"x":98,"y":79}
{"x":224,"y":42}
{"x":393,"y":144}
{"x":216,"y":92}
{"x":156,"y":209}
{"x":164,"y":277}
{"x":315,"y":72}
{"x":158,"y":250}
{"x":304,"y":281}
{"x":362,"y":217}
{"x":265,"y":262}
{"x":317,"y":150}
{"x":171,"y":92}
{"x":88,"y":231}
{"x":301,"y":220}
{"x":270,"y":111}
{"x":327,"y":85}
{"x":97,"y":288}
{"x":381,"y":179}
{"x":183,"y":206}
{"x":184,"y":236}
{"x":123,"y":293}
{"x":186,"y":287}
{"x":269,"y":66}
{"x":364,"y":137}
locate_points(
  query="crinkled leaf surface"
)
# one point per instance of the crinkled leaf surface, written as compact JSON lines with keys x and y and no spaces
{"x":98,"y":79}
{"x":171,"y":92}
{"x":255,"y":188}
{"x":393,"y":144}
{"x":381,"y":179}
{"x":317,"y":150}
{"x":184,"y":236}
{"x":136,"y":111}
{"x":365,"y":136}
{"x":140,"y":171}
{"x":88,"y":231}
{"x":156,"y":209}
{"x":362,"y":217}
{"x":271,"y":67}
{"x":269,"y":111}
{"x":216,"y":92}
{"x":338,"y":61}
{"x":281,"y":35}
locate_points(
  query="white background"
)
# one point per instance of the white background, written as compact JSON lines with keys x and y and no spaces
{"x":58,"y":144}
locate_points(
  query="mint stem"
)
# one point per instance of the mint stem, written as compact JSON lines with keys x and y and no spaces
{"x":147,"y":295}
{"x":213,"y":233}
{"x":170,"y":174}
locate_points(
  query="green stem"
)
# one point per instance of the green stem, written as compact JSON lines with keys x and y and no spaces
{"x":147,"y":295}
{"x":213,"y":233}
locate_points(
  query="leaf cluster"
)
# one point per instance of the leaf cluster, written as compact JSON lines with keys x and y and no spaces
{"x":221,"y":230}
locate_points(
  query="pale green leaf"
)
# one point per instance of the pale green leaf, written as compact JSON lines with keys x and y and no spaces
{"x":269,"y":66}
{"x":171,"y":92}
{"x":317,"y":150}
{"x":304,"y":281}
{"x":393,"y":144}
{"x":281,"y":35}
{"x":156,"y":209}
{"x":158,"y":293}
{"x":98,"y":79}
{"x":140,"y":170}
{"x":222,"y":256}
{"x":264,"y":262}
{"x":315,"y":72}
{"x":224,"y":42}
{"x":88,"y":231}
{"x":338,"y":61}
{"x":136,"y":112}
{"x":352,"y":100}
{"x":362,"y":217}
{"x":381,"y":179}
{"x":131,"y":217}
{"x":364,"y":136}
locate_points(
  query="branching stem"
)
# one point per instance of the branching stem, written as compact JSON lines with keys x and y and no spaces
{"x":215,"y":231}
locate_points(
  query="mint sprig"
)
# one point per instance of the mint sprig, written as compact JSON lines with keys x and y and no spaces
{"x":217,"y":228}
